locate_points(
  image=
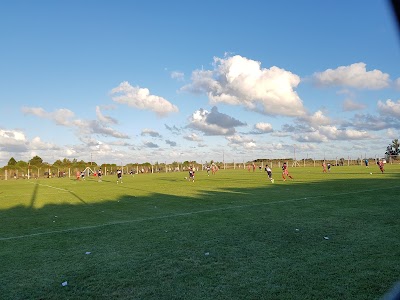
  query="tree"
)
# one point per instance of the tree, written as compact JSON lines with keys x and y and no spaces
{"x":12,"y":162}
{"x":21,"y":164}
{"x":66,"y":162}
{"x":36,"y":161}
{"x":393,"y":149}
{"x":58,"y":163}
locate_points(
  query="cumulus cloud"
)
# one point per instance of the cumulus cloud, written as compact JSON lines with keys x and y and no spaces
{"x":389,"y":108}
{"x":333,"y":133}
{"x":38,"y":144}
{"x":140,"y":98}
{"x":214,"y":122}
{"x":13,"y":141}
{"x":240,"y":81}
{"x":150,"y":132}
{"x":355,"y":75}
{"x":350,"y":105}
{"x":316,"y":119}
{"x":238,"y":141}
{"x":262,"y":127}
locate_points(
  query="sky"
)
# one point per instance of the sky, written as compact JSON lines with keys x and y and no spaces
{"x":184,"y":80}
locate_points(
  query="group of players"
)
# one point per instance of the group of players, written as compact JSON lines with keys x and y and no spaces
{"x":325,"y":168}
{"x":99,"y":174}
{"x":213,"y":168}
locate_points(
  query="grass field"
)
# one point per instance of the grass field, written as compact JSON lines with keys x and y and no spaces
{"x":233,"y":235}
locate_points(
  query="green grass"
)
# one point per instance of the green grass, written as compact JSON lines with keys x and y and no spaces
{"x":229,"y":236}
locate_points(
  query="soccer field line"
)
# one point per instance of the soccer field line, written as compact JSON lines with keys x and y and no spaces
{"x":53,"y":187}
{"x":186,"y":214}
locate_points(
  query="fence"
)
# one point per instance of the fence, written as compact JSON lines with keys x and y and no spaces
{"x":7,"y":173}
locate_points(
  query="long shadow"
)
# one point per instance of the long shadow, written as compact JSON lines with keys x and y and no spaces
{"x":33,"y":197}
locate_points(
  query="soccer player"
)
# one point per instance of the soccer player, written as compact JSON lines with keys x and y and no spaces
{"x":269,"y":172}
{"x":285,"y":172}
{"x":208,"y":170}
{"x":191,"y":174}
{"x":78,"y":175}
{"x":380,"y":164}
{"x":329,"y":167}
{"x":99,"y":173}
{"x":83,"y":175}
{"x":324,"y":167}
{"x":119,"y":176}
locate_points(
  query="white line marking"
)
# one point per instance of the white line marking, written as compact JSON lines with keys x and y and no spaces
{"x":186,"y":214}
{"x":53,"y":187}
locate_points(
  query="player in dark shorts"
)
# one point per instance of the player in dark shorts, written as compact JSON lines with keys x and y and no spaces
{"x":119,"y":176}
{"x":269,"y":172}
{"x":99,"y":173}
{"x":191,"y":174}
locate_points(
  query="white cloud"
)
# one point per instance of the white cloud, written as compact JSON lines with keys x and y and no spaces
{"x":355,"y":76}
{"x":348,"y":134}
{"x":238,"y":141}
{"x":180,"y":76}
{"x":64,"y":117}
{"x":103,"y":118}
{"x":316,"y":119}
{"x":389,"y":108}
{"x":13,"y":141}
{"x":240,"y":81}
{"x":214,"y":122}
{"x":60,"y":116}
{"x":263,"y":127}
{"x":193,"y":137}
{"x":325,"y":133}
{"x":96,"y":127}
{"x":141,"y":98}
{"x":310,"y":137}
{"x":38,"y":144}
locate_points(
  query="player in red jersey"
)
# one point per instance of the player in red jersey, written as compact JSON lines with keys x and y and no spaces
{"x":285,"y":172}
{"x":381,"y":165}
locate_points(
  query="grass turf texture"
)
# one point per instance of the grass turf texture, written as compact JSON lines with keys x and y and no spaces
{"x":233,"y":235}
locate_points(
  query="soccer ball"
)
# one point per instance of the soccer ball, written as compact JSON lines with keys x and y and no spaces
{"x":185,"y":178}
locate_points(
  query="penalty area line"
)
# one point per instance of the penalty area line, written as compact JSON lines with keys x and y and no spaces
{"x":185,"y":214}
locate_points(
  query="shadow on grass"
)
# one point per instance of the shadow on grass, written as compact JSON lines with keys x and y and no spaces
{"x":327,"y":239}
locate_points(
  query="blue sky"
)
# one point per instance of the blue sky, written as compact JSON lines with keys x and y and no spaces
{"x":148,"y":81}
